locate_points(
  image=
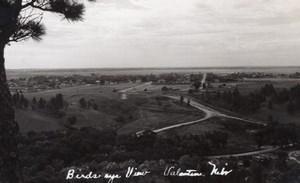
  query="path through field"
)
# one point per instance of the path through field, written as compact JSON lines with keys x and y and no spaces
{"x":135,"y":87}
{"x":209,"y":113}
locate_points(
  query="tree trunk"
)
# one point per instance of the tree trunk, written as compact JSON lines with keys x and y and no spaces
{"x":8,"y":130}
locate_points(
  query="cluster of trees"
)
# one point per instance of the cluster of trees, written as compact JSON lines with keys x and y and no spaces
{"x":188,"y":102}
{"x":54,"y":105}
{"x":211,"y":77}
{"x":20,"y":101}
{"x":278,"y":135}
{"x":149,"y":146}
{"x":233,"y":100}
{"x":251,"y":102}
{"x":46,"y":156}
{"x":88,"y":104}
{"x":292,"y":96}
{"x":71,"y":120}
{"x":294,"y":100}
{"x":195,"y":79}
{"x":196,"y":85}
{"x":42,"y":103}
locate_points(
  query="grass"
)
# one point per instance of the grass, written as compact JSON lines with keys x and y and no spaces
{"x":140,"y":111}
{"x":33,"y":121}
{"x":160,"y":112}
{"x":89,"y":91}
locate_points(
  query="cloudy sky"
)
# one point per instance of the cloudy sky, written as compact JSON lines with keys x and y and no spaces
{"x":168,"y":33}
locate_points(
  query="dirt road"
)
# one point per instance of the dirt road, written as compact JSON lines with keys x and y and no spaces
{"x":295,"y":155}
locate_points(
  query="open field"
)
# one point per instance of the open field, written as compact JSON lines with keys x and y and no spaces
{"x":143,"y":117}
{"x":33,"y":121}
{"x":157,"y":88}
{"x":139,"y":111}
{"x":76,"y":92}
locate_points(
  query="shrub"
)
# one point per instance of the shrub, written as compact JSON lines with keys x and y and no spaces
{"x":72,"y":120}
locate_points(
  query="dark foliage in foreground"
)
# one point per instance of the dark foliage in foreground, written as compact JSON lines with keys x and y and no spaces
{"x":47,"y":156}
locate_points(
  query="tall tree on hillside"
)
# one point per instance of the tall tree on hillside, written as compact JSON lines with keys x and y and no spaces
{"x":21,"y":20}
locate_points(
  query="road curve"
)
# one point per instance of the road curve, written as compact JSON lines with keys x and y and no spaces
{"x":293,"y":156}
{"x":264,"y":150}
{"x":209,"y":113}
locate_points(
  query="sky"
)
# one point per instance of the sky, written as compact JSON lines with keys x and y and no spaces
{"x":167,"y":33}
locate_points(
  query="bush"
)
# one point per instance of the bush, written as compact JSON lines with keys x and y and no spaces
{"x":291,"y":108}
{"x":120,"y":119}
{"x":95,"y":107}
{"x":83,"y":103}
{"x":72,"y":120}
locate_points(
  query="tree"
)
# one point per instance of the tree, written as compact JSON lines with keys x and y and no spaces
{"x":188,"y":103}
{"x":34,"y":101}
{"x":291,"y":108}
{"x":181,"y":100}
{"x":72,"y":120}
{"x":197,"y":85}
{"x":270,"y":118}
{"x":83,"y":103}
{"x":21,"y":20}
{"x":59,"y":101}
{"x":164,"y":89}
{"x":42,"y":103}
{"x":270,"y":105}
{"x":95,"y":107}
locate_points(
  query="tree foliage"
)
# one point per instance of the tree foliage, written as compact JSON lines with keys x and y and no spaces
{"x":22,"y":19}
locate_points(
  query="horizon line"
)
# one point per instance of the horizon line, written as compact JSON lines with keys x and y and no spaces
{"x":158,"y":67}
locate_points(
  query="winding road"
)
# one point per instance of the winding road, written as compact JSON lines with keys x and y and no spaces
{"x":295,"y":155}
{"x":209,"y":113}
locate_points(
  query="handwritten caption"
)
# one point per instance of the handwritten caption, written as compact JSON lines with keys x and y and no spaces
{"x":134,"y":172}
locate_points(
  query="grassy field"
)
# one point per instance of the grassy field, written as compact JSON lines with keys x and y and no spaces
{"x":77,"y":92}
{"x":141,"y":110}
{"x":33,"y":121}
{"x":156,"y":89}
